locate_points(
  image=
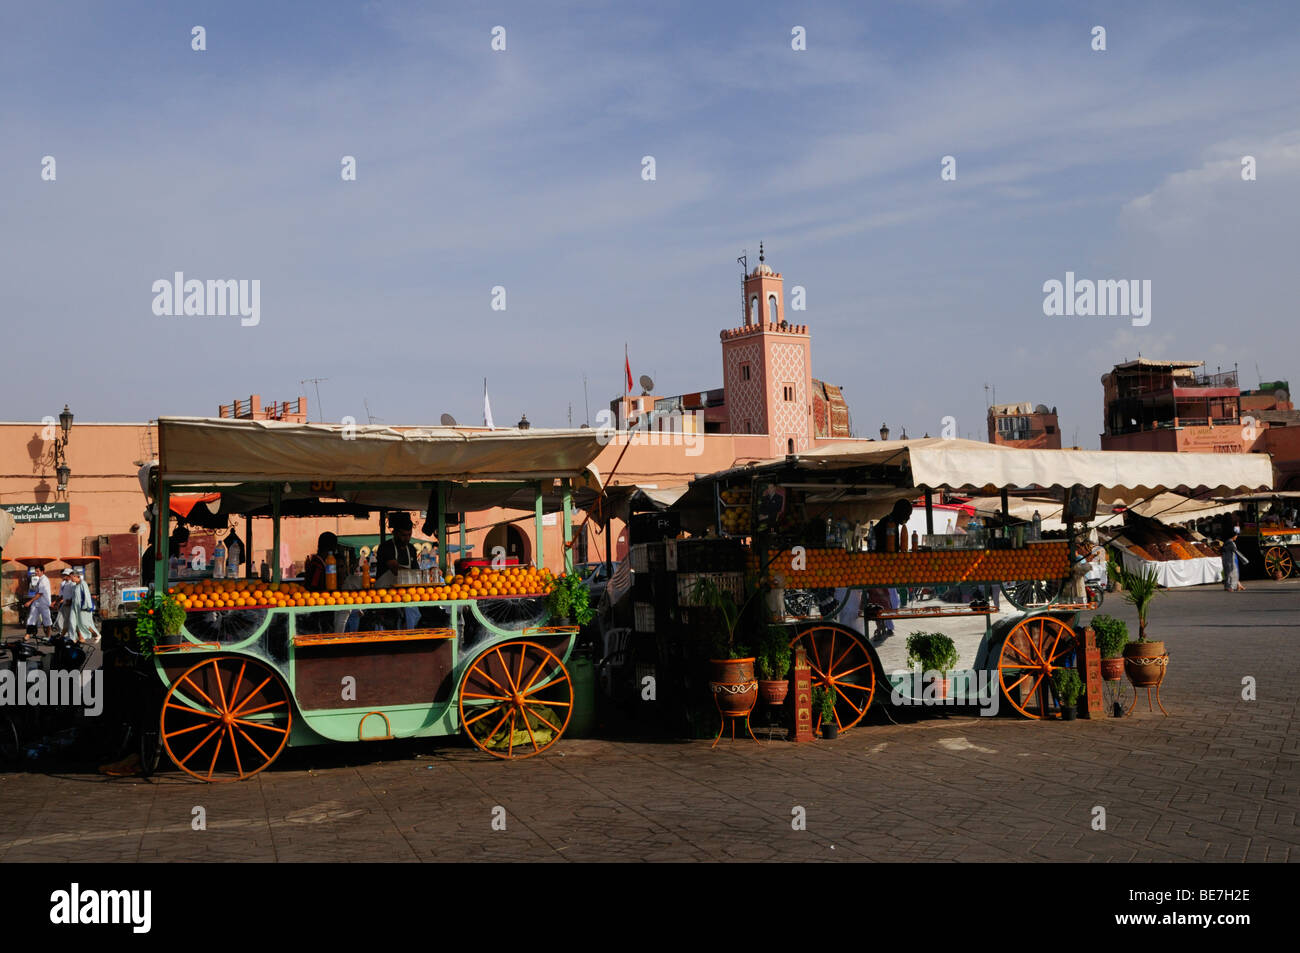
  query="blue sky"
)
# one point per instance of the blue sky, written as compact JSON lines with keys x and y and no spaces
{"x":522,"y":169}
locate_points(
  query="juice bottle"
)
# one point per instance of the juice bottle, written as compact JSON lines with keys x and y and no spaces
{"x":331,"y":573}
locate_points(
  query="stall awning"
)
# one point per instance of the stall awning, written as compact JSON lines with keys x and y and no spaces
{"x":1176,"y":508}
{"x":970,"y":465}
{"x":217,"y":450}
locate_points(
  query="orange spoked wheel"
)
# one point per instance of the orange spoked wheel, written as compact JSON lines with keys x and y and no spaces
{"x":840,"y":659}
{"x":1034,"y":648}
{"x":515,"y":700}
{"x":1277,"y":562}
{"x":225,"y":719}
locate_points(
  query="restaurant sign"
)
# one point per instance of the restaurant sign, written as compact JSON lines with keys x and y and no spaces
{"x":37,"y":512}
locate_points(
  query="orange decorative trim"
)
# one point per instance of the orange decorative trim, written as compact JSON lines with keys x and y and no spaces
{"x":385,"y":635}
{"x":388,"y":728}
{"x":185,"y":647}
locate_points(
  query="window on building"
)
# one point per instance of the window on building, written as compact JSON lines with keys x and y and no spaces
{"x":744,"y":371}
{"x":754,"y":314}
{"x":1049,"y":428}
{"x":748,"y":429}
{"x":787,"y":391}
{"x":772,"y":309}
{"x":789,"y":445}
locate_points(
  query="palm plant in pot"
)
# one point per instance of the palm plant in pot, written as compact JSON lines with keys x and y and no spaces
{"x":1069,"y":686}
{"x":774,"y":658}
{"x":1145,"y":660}
{"x":933,"y":652}
{"x":733,"y":684}
{"x":1112,"y":636}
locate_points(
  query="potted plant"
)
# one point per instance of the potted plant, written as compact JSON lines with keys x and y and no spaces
{"x":1112,"y":636}
{"x":933,"y":652}
{"x":1145,"y":660}
{"x":824,"y":704}
{"x":733,"y":684}
{"x":158,"y":620}
{"x":1069,"y":686}
{"x":774,"y":658}
{"x":570,"y":601}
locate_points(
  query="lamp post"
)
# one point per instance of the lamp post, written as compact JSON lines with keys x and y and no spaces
{"x":884,"y":432}
{"x":61,"y":468}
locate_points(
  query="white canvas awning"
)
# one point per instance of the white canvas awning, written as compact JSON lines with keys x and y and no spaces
{"x":987,"y":468}
{"x":200,"y":450}
{"x":1176,"y":508}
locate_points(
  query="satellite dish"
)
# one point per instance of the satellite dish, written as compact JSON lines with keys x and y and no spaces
{"x":647,"y":385}
{"x":1040,"y":409}
{"x":1281,"y":395}
{"x":448,"y":420}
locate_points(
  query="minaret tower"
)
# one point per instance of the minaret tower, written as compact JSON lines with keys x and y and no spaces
{"x":767,"y":367}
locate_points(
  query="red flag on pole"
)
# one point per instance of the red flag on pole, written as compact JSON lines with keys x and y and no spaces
{"x":627,"y":368}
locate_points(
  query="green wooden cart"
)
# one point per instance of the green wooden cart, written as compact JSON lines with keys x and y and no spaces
{"x":244,"y":682}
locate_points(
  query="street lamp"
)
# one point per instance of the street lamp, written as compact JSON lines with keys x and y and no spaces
{"x":884,"y":432}
{"x":61,"y":468}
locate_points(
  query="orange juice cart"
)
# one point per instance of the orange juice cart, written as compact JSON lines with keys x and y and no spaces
{"x":806,"y":520}
{"x":262,"y":664}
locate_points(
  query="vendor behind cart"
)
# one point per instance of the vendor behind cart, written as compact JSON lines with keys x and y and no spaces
{"x":395,"y":555}
{"x":885,"y":537}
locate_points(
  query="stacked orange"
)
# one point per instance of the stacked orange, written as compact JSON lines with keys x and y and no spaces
{"x":835,"y":568}
{"x":514,"y":582}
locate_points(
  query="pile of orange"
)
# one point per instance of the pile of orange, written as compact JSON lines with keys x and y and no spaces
{"x":477,"y":583}
{"x":836,"y":568}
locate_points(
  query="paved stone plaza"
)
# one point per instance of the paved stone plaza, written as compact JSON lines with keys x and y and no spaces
{"x":1215,"y":781}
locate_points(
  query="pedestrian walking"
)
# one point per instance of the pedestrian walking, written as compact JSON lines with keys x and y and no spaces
{"x":1232,"y":560}
{"x":66,"y":588}
{"x":81,"y":611}
{"x":38,"y":602}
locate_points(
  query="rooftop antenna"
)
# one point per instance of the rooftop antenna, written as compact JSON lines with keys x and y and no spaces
{"x":317,"y":381}
{"x":371,"y":418}
{"x":1259,"y":376}
{"x":570,"y":414}
{"x":744,"y":271}
{"x":586,"y":405}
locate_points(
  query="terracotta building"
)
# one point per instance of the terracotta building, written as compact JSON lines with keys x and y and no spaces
{"x":1024,"y":425}
{"x":1173,"y":405}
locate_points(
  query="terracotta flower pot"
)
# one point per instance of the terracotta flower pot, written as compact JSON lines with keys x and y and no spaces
{"x":941,"y":688}
{"x":735,"y":698}
{"x":733,"y":670}
{"x":1145,"y":663}
{"x":1112,"y":669}
{"x":773,"y":692}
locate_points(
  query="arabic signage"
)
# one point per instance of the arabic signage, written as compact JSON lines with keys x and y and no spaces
{"x":37,"y":512}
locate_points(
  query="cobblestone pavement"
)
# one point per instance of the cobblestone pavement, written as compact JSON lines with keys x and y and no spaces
{"x":1217,"y":780}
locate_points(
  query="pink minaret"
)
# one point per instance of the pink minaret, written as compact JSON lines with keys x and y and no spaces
{"x":767,"y":367}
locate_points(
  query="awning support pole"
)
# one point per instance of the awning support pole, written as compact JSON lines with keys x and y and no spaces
{"x":442,"y":527}
{"x":568,"y":525}
{"x":929,"y":511}
{"x":537,"y":525}
{"x":1006,"y":510}
{"x":275,"y":533}
{"x":248,"y":547}
{"x":162,"y":537}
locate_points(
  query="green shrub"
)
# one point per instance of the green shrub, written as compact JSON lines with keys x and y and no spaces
{"x":774,"y":654}
{"x":156,"y":616}
{"x":570,"y":599}
{"x":931,"y":652}
{"x":1068,"y":685}
{"x":1112,"y":635}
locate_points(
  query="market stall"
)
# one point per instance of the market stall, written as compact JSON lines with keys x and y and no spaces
{"x":809,"y":513}
{"x":1270,"y":531}
{"x":260,"y":664}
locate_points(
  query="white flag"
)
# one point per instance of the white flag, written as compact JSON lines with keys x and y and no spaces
{"x":487,"y":408}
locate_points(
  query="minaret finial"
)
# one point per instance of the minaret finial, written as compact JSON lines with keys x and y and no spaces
{"x":760,"y":251}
